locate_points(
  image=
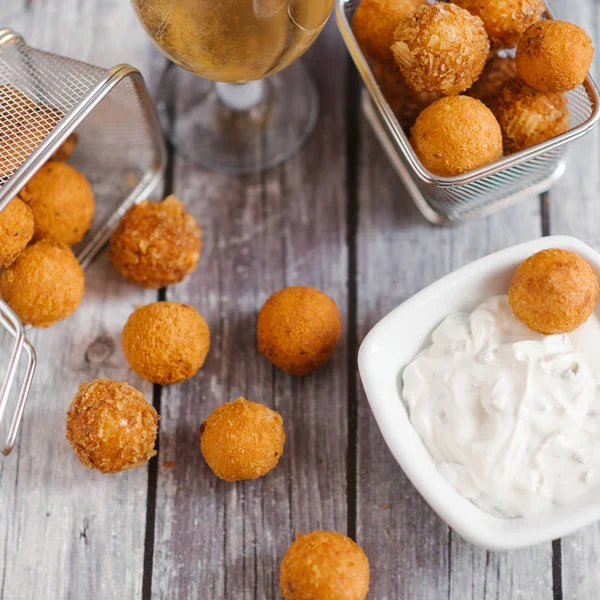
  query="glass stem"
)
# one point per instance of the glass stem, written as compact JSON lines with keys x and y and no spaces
{"x":240,"y":96}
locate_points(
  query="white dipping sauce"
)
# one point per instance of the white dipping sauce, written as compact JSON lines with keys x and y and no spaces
{"x":511,"y":417}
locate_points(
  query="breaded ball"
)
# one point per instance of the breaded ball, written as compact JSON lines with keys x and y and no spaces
{"x":497,"y":72}
{"x":324,"y":565}
{"x":16,"y":231}
{"x":528,"y":117}
{"x":65,"y":150}
{"x":456,"y":135}
{"x":111,"y":427}
{"x":554,"y":56}
{"x":442,"y":48}
{"x":553,"y":291}
{"x":242,"y":440}
{"x":62,"y":202}
{"x":156,"y":244}
{"x":298,"y":329}
{"x":44,"y":285}
{"x":166,"y":342}
{"x":374,"y":23}
{"x":405,"y":102}
{"x":504,"y":20}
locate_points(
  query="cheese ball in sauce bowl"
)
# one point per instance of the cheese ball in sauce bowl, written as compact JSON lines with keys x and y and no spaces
{"x":553,"y":291}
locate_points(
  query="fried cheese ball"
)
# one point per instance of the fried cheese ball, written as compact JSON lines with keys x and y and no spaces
{"x":442,"y":48}
{"x":553,"y":291}
{"x":62,"y":202}
{"x":298,"y":329}
{"x":324,"y":565}
{"x":65,"y":150}
{"x":455,"y":135}
{"x":554,"y":56}
{"x":166,"y":342}
{"x":242,"y":440}
{"x":44,"y":285}
{"x":504,"y":20}
{"x":111,"y":427}
{"x":405,"y":102}
{"x":528,"y":117}
{"x":16,"y":231}
{"x":374,"y":23}
{"x":497,"y":72}
{"x":156,"y":244}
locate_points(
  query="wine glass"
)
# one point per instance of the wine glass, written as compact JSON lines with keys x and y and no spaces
{"x":242,"y":115}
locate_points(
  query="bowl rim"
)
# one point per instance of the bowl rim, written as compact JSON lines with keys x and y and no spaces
{"x":502,"y":534}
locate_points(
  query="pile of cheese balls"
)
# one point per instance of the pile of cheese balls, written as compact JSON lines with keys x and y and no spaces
{"x":444,"y":71}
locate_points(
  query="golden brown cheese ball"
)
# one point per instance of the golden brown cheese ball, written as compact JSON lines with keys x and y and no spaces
{"x":62,"y":202}
{"x":442,"y":48}
{"x":111,"y":427}
{"x":554,"y":56}
{"x":528,"y":117}
{"x":497,"y":72}
{"x":242,"y":440}
{"x":405,"y":102}
{"x":455,"y":135}
{"x":44,"y":285}
{"x":324,"y":565}
{"x":65,"y":150}
{"x":374,"y":23}
{"x":553,"y":291}
{"x":16,"y":231}
{"x":166,"y":342}
{"x":156,"y":244}
{"x":504,"y":20}
{"x":298,"y":329}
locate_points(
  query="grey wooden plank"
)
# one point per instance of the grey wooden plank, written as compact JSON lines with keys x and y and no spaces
{"x":65,"y":531}
{"x":575,"y":210}
{"x":222,"y":540}
{"x":412,"y":551}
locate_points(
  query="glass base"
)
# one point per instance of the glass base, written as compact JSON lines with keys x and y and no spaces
{"x":207,"y":126}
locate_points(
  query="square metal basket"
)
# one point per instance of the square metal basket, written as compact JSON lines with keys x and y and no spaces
{"x":445,"y":200}
{"x":43,"y":99}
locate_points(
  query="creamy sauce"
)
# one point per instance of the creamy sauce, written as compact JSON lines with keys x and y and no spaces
{"x":510,"y":417}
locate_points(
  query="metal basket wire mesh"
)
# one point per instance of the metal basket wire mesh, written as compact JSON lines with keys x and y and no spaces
{"x":43,"y":99}
{"x":479,"y":192}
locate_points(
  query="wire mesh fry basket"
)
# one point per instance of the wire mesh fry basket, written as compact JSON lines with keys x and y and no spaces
{"x":445,"y":200}
{"x":43,"y":99}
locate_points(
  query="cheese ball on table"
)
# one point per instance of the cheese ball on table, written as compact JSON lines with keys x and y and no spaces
{"x":166,"y":342}
{"x":554,"y":56}
{"x":298,"y":329}
{"x":456,"y":135}
{"x":324,"y":565}
{"x":16,"y":231}
{"x":497,"y":72}
{"x":553,"y":291}
{"x":504,"y":20}
{"x":156,"y":244}
{"x":442,"y":48}
{"x":44,"y":285}
{"x":528,"y":117}
{"x":374,"y":23}
{"x":62,"y":202}
{"x":111,"y":427}
{"x":242,"y":440}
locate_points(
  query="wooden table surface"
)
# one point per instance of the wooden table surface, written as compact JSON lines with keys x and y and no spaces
{"x":335,"y":217}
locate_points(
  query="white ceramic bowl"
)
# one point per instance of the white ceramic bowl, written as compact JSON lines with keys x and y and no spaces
{"x":394,"y":342}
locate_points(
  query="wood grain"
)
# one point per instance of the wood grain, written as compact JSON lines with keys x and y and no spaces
{"x":66,"y":531}
{"x":574,"y":210}
{"x":221,"y":540}
{"x":412,"y":551}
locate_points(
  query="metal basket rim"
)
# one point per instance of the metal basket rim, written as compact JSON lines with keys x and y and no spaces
{"x":401,"y":139}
